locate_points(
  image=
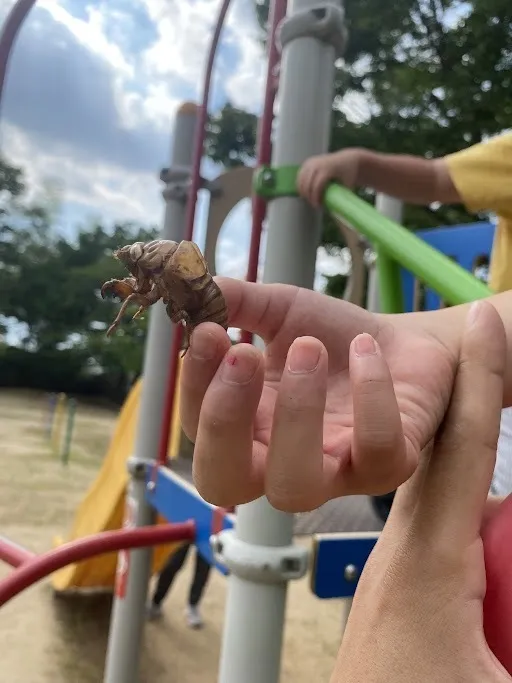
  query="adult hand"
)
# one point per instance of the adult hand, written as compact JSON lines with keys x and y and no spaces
{"x":315,"y":417}
{"x":418,"y":610}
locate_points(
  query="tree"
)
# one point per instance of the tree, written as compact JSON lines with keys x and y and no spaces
{"x":423,"y":77}
{"x":231,"y":137}
{"x":51,"y":285}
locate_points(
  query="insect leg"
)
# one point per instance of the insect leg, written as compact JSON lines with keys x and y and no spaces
{"x":143,"y":301}
{"x":148,"y":300}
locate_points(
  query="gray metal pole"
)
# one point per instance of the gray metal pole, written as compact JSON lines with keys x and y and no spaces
{"x":392,"y":208}
{"x":134,"y":568}
{"x":263,"y":538}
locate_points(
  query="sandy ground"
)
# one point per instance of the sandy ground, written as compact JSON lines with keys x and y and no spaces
{"x":47,"y":639}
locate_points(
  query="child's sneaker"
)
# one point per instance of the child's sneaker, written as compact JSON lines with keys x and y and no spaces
{"x":193,"y":617}
{"x":153,"y":611}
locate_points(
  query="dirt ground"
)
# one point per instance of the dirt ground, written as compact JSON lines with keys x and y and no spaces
{"x":45,"y":639}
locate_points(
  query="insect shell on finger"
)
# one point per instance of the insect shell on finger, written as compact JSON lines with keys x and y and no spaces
{"x":176,"y":273}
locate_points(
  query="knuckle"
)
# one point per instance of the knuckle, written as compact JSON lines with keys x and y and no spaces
{"x":285,"y":503}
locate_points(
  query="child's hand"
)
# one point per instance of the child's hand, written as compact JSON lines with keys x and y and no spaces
{"x":316,"y":172}
{"x":417,"y":612}
{"x":261,"y":427}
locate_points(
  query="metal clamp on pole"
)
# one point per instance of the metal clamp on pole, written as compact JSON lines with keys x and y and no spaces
{"x":137,"y":467}
{"x":324,"y":22}
{"x":261,"y":564}
{"x":177,"y":181}
{"x":277,"y":181}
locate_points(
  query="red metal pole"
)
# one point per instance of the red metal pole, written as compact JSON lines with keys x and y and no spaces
{"x":189,"y":229}
{"x":10,"y":30}
{"x":40,"y":566}
{"x":13,"y":554}
{"x":264,"y":145}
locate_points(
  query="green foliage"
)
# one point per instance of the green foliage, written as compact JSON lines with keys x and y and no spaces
{"x":51,"y":285}
{"x":422,"y":77}
{"x":231,"y":137}
{"x":335,"y":285}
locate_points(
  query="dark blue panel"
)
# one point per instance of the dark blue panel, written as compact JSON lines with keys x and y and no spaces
{"x":178,"y":501}
{"x":461,"y":242}
{"x":331,"y":554}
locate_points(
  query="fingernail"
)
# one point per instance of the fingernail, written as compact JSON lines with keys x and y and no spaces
{"x":239,"y":368}
{"x":304,"y":356}
{"x":203,"y":346}
{"x":364,"y":345}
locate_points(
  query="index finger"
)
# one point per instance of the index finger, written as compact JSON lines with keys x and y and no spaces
{"x":258,"y":308}
{"x":454,"y":490}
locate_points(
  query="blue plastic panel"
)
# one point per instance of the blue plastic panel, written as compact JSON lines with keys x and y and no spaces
{"x":331,"y":554}
{"x":463,"y":243}
{"x":178,"y":501}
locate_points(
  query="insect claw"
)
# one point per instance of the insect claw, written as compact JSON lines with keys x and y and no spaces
{"x":139,"y":312}
{"x":106,"y":289}
{"x":120,"y":288}
{"x":112,"y":328}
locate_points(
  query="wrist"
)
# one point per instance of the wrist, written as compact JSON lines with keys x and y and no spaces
{"x":446,"y":326}
{"x":353,"y":158}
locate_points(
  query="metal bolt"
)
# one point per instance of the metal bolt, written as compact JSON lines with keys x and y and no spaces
{"x":290,"y":564}
{"x":319,"y":13}
{"x":351,"y":573}
{"x":267,"y":178}
{"x":216,"y":545}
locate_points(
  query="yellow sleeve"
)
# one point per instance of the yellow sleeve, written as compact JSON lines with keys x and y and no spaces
{"x":482,"y":175}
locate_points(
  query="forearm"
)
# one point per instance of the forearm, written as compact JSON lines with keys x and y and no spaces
{"x":446,"y":325}
{"x":412,"y":179}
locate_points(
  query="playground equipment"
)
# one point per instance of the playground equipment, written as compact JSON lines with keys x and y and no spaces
{"x":102,"y":508}
{"x":59,"y":423}
{"x":257,"y":550}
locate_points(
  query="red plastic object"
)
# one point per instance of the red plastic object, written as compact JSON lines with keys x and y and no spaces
{"x":497,"y":537}
{"x":10,"y":29}
{"x":35,"y":569}
{"x":189,"y":230}
{"x":13,"y":554}
{"x":264,"y":151}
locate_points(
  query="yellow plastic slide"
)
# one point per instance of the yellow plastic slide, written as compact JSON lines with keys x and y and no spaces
{"x":102,"y":508}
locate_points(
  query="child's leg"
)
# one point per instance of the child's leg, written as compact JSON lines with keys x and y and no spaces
{"x":201,"y":575}
{"x":502,"y":478}
{"x":167,"y":575}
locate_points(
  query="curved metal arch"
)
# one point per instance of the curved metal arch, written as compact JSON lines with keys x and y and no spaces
{"x":8,"y":35}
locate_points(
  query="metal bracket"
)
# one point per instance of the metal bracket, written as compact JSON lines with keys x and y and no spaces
{"x":176,"y":191}
{"x":325,"y":22}
{"x":262,"y":564}
{"x":137,"y":467}
{"x":177,"y":181}
{"x":175,"y":174}
{"x":280,"y":181}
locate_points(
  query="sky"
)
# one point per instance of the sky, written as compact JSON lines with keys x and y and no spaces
{"x":90,"y":99}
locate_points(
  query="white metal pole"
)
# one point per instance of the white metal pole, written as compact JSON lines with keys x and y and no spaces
{"x":126,"y":627}
{"x":261,"y":554}
{"x":391,"y":208}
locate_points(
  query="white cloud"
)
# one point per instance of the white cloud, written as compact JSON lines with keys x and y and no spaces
{"x":146,"y":87}
{"x":101,"y":189}
{"x":181,"y":51}
{"x":90,"y":33}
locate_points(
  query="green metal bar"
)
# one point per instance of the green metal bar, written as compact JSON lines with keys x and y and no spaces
{"x":69,"y":431}
{"x":452,"y":282}
{"x":390,"y":284}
